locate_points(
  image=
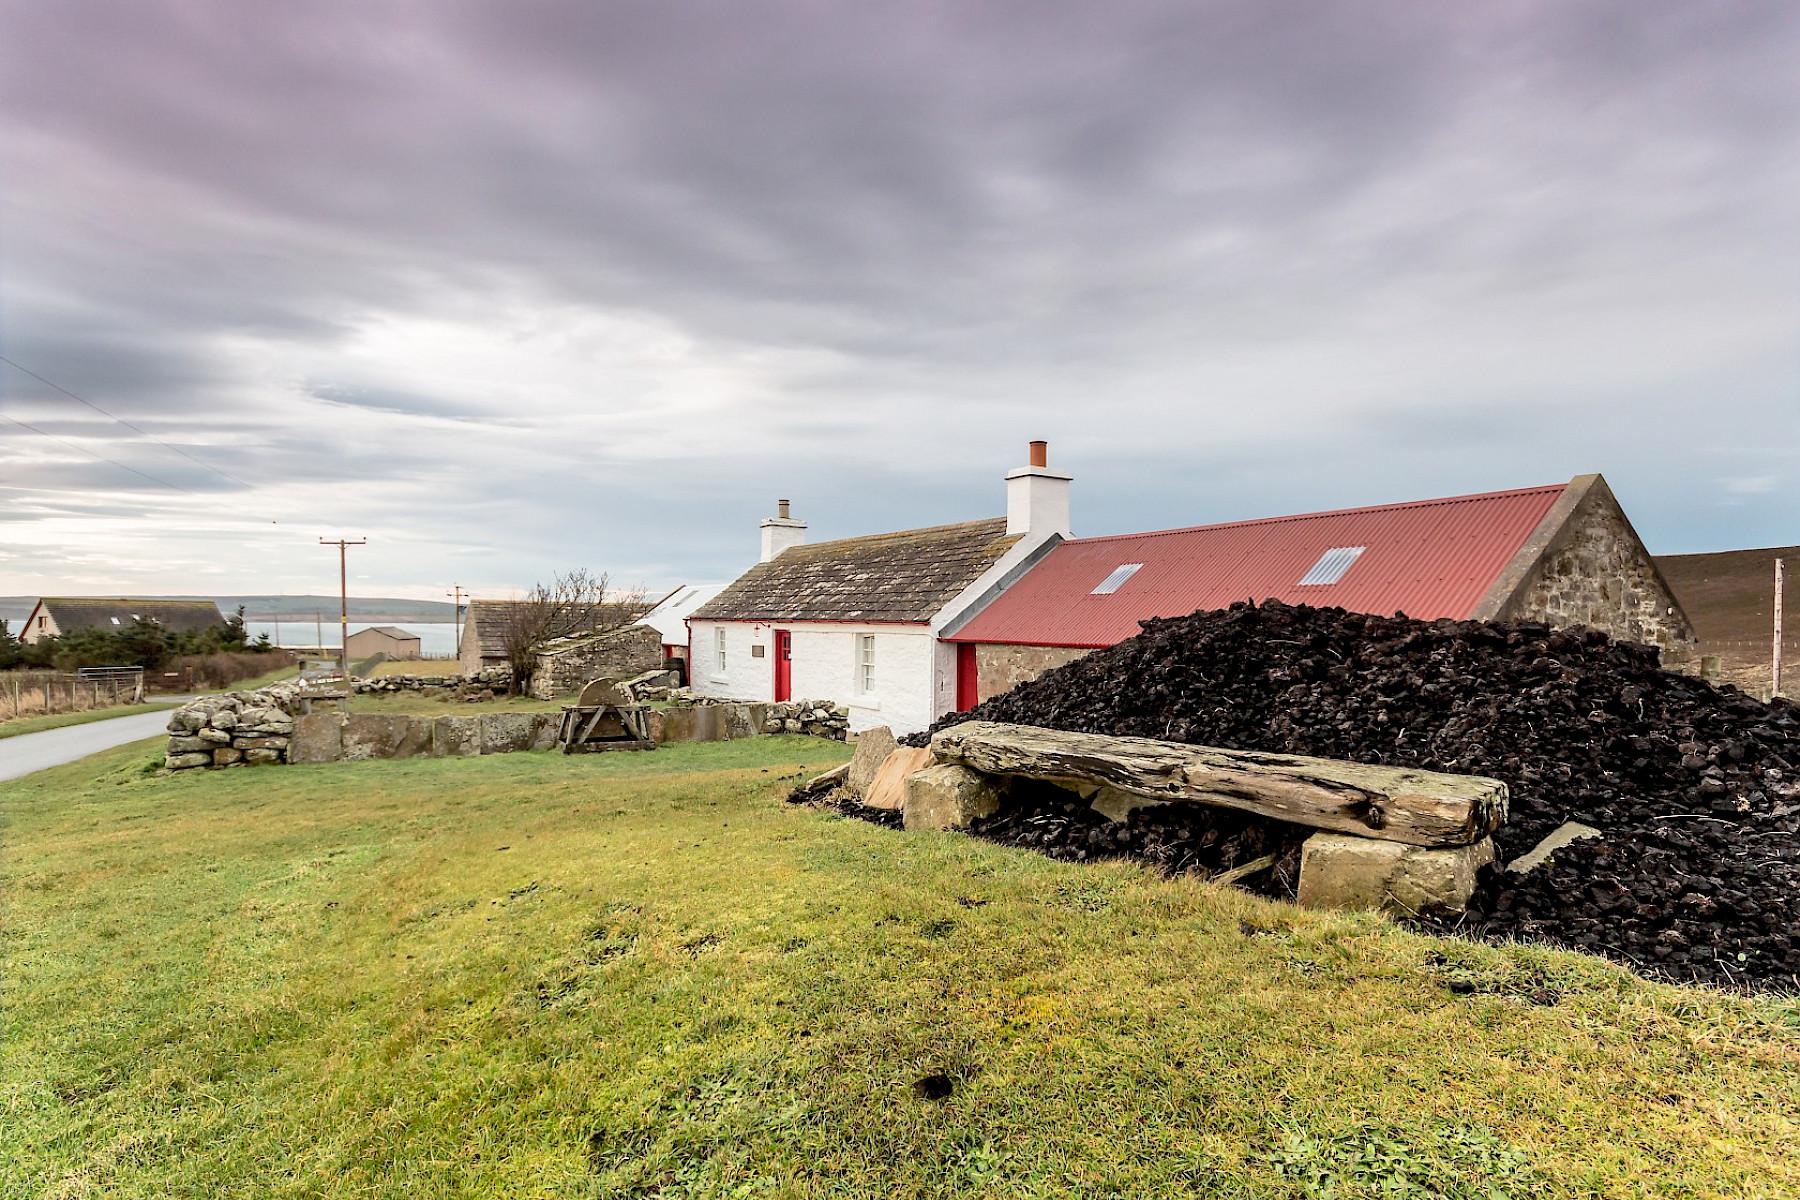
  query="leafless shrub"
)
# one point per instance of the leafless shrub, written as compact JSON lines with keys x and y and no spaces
{"x":575,"y":603}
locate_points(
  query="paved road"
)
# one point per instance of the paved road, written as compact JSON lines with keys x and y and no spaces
{"x":34,"y":751}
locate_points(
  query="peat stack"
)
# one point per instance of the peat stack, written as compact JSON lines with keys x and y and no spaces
{"x":1696,"y":876}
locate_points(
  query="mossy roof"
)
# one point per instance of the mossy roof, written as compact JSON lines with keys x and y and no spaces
{"x":888,"y":577}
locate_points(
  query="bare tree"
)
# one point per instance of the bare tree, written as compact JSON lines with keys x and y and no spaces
{"x":578,"y":602}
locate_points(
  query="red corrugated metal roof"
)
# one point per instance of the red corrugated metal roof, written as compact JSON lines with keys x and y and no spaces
{"x":1428,"y":559}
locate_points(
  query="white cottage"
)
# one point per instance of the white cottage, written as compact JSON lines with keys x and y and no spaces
{"x":859,"y":621}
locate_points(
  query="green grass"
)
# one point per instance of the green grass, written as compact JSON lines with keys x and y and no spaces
{"x":20,"y":725}
{"x":643,"y":974}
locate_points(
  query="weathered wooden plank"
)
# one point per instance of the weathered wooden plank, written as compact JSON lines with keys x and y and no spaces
{"x":1397,"y":804}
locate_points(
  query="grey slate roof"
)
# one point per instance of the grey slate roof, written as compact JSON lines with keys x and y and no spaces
{"x":907,"y":576}
{"x":489,"y":619}
{"x":179,"y":616}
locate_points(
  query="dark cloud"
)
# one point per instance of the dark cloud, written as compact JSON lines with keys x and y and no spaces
{"x":504,"y":266}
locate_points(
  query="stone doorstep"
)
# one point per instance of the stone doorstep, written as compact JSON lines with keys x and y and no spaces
{"x":1342,"y":871}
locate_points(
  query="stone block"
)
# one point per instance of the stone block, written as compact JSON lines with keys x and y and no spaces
{"x":455,"y":737}
{"x":270,"y":742}
{"x":181,"y":762}
{"x":889,"y":787}
{"x":506,"y":733}
{"x":374,"y":736}
{"x":872,"y":748}
{"x":224,"y":756}
{"x":225,"y":718}
{"x":318,"y":737}
{"x":947,"y":796}
{"x":262,"y":758}
{"x":215,"y":737}
{"x":1341,"y":871}
{"x":186,"y":720}
{"x":189,"y":745}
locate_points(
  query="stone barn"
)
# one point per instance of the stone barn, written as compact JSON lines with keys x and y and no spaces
{"x":1565,"y":554}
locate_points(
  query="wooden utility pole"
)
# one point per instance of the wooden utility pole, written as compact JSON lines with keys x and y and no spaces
{"x":1775,"y":671}
{"x":344,"y":610}
{"x":456,"y":616}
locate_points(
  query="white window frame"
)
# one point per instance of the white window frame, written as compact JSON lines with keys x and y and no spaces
{"x":719,"y":649}
{"x":865,"y":663}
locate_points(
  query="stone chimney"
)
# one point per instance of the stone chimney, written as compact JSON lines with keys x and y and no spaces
{"x":1037,"y":498}
{"x":781,"y":531}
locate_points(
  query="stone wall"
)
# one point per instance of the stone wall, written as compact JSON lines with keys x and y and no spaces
{"x":360,"y":737}
{"x":238,"y":729}
{"x":1600,"y":575}
{"x":494,"y":679}
{"x":621,"y":653}
{"x":1002,"y":668}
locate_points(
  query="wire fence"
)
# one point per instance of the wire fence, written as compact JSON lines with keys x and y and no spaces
{"x":46,"y":693}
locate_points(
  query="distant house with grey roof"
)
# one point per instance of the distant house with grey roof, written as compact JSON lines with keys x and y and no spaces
{"x":60,"y":616}
{"x":391,"y":640}
{"x":858,"y":621}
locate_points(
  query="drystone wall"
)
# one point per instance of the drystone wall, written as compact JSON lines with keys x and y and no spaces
{"x":238,"y":729}
{"x":621,"y":653}
{"x":494,"y":679}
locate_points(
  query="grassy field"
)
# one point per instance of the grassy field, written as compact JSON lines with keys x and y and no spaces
{"x":419,"y":666}
{"x":644,"y":975}
{"x":21,"y":725}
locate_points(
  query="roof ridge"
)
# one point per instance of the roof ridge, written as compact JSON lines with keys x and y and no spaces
{"x":1329,"y":512}
{"x":866,"y":537}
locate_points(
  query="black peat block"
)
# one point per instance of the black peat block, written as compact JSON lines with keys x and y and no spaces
{"x":1694,"y":787}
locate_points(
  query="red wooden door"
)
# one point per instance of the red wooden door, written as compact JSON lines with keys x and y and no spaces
{"x":784,"y":665}
{"x":968,"y":693}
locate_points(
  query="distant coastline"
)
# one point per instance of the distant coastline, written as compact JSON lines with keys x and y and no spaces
{"x":363,"y":609}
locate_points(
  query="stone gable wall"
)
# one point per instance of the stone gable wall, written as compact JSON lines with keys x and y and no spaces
{"x":1603,"y":578}
{"x":1002,"y":668}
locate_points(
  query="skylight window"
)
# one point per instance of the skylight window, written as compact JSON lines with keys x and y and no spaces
{"x":1116,"y":580}
{"x":1331,"y":565}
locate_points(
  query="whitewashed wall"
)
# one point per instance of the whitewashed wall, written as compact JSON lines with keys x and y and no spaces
{"x":907,"y":659}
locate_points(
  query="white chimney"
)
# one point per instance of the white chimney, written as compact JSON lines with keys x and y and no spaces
{"x":1037,"y":498}
{"x":780,"y":532}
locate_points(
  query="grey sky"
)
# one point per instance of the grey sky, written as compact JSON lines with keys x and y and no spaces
{"x":514,"y":287}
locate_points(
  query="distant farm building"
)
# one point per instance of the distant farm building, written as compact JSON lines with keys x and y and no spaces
{"x":391,"y":640}
{"x":62,"y":616}
{"x":1730,"y":597}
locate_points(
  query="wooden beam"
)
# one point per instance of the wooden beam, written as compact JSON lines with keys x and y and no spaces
{"x":1396,"y":804}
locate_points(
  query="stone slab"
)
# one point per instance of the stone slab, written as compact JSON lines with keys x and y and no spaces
{"x":318,"y":738}
{"x":181,"y":762}
{"x":1562,"y":835}
{"x":510,"y":733}
{"x":946,"y":796}
{"x":1342,"y":871}
{"x":370,"y":736}
{"x":889,"y":787}
{"x":872,"y":748}
{"x":455,"y":737}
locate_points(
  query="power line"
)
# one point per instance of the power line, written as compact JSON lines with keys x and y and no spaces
{"x":122,"y":421}
{"x":98,"y":455}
